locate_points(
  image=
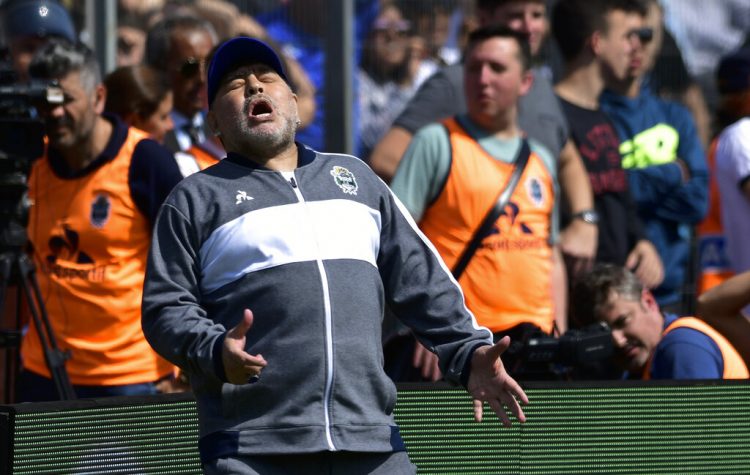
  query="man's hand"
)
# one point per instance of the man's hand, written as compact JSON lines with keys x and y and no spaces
{"x":427,"y":361}
{"x":488,"y":381}
{"x":240,"y":366}
{"x":646,"y":264}
{"x":578,"y":242}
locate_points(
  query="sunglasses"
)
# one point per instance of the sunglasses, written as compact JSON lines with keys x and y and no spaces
{"x":645,"y":34}
{"x":399,"y":26}
{"x":192,"y":67}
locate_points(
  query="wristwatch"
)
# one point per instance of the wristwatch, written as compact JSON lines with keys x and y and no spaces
{"x":589,"y":216}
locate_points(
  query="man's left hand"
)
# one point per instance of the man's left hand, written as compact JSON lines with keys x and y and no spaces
{"x":488,"y":381}
{"x":645,"y":262}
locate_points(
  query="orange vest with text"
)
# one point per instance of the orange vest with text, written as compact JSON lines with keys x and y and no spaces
{"x":508,"y":281}
{"x":90,"y":247}
{"x":714,"y":262}
{"x":734,"y":365}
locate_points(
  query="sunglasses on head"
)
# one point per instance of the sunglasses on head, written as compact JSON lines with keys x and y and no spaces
{"x":644,"y":34}
{"x":191,"y":67}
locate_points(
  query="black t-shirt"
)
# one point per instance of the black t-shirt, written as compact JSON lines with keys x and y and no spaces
{"x":597,"y":142}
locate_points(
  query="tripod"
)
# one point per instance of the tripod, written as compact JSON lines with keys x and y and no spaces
{"x":17,"y":268}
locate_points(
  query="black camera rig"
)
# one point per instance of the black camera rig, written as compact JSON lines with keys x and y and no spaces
{"x":21,"y":142}
{"x":574,"y":348}
{"x":577,"y":354}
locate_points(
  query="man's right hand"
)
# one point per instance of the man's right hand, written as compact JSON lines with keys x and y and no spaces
{"x":240,"y":366}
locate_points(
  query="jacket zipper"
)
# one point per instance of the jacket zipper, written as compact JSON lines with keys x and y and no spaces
{"x":329,"y":331}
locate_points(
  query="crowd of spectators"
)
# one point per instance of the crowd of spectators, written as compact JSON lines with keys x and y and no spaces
{"x":634,"y":205}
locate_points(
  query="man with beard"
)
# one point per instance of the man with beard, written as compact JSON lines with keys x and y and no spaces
{"x":95,"y":196}
{"x":267,"y":280}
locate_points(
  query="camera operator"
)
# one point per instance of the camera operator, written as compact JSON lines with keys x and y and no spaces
{"x":648,"y":343}
{"x":28,"y":24}
{"x":95,"y":194}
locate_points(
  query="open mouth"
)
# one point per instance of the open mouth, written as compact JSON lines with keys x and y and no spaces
{"x":261,"y":109}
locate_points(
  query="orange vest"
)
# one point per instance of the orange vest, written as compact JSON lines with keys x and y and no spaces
{"x":714,"y":262}
{"x":202,"y":158}
{"x":508,"y":281}
{"x":734,"y":365}
{"x":90,"y":246}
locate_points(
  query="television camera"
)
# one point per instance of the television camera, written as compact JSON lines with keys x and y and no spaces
{"x":577,"y":354}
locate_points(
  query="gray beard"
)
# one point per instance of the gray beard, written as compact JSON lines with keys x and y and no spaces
{"x":268,"y":145}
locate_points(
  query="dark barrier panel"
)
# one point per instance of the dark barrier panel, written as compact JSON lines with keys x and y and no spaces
{"x":572,"y":428}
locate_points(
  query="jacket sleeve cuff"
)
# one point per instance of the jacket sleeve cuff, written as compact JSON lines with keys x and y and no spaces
{"x":466,"y":370}
{"x":217,"y":359}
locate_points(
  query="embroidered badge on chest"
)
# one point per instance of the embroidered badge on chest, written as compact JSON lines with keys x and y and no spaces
{"x":100,"y":210}
{"x":535,"y":191}
{"x":345,"y":180}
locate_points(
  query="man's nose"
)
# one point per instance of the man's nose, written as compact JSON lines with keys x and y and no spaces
{"x":54,"y":111}
{"x":618,"y":338}
{"x":254,"y":86}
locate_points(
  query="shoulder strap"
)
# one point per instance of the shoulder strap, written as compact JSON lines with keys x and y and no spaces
{"x":489,"y":219}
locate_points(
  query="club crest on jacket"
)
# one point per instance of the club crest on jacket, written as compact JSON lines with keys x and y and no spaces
{"x":344,"y":179}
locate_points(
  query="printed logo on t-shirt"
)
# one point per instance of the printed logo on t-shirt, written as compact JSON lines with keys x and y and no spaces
{"x":67,"y":261}
{"x":511,"y":233}
{"x":100,"y":209}
{"x":654,"y":146}
{"x":242,"y":196}
{"x":344,"y":179}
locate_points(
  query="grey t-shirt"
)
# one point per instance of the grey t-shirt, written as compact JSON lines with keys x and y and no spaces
{"x":442,"y":96}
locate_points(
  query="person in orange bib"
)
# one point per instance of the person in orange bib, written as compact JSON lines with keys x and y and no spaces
{"x":95,"y":194}
{"x":648,"y":343}
{"x":451,"y":176}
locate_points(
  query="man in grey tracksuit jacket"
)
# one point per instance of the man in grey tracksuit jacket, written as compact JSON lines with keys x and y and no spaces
{"x":315,"y":252}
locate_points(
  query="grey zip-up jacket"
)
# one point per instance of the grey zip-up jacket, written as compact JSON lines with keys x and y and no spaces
{"x":315,"y":254}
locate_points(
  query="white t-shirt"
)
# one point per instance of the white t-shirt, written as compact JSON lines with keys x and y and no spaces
{"x":732,"y":171}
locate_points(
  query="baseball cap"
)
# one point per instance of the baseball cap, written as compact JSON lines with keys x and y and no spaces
{"x":236,"y":52}
{"x":42,"y":18}
{"x":733,"y":73}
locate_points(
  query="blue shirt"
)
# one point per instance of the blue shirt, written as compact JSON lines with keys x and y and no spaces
{"x":686,"y":353}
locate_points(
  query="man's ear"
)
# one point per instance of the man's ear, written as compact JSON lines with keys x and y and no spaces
{"x":526,"y":82}
{"x":648,"y":300}
{"x":595,"y":41}
{"x":100,"y":98}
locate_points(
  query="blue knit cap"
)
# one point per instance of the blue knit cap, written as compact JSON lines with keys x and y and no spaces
{"x":41,"y":18}
{"x":236,"y":52}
